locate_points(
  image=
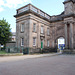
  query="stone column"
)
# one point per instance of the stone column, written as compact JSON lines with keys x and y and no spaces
{"x":66,"y":35}
{"x":71,"y":35}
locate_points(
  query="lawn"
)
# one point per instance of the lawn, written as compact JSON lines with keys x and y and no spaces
{"x":3,"y":52}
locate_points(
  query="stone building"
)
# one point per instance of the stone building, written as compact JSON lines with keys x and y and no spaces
{"x":13,"y":38}
{"x":11,"y":44}
{"x":36,"y":29}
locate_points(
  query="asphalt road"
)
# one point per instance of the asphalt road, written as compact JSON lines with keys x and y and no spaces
{"x":55,"y":65}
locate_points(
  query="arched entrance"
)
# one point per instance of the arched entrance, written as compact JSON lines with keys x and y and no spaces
{"x":61,"y":43}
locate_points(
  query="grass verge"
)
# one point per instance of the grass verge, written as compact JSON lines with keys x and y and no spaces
{"x":4,"y":53}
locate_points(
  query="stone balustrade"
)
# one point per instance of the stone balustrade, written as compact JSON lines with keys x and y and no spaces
{"x":34,"y":9}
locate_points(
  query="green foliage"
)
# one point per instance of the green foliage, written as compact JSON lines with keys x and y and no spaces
{"x":2,"y":52}
{"x":4,"y":32}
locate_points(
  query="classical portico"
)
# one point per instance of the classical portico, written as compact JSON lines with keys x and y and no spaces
{"x":69,"y":34}
{"x":41,"y":30}
{"x":69,"y":16}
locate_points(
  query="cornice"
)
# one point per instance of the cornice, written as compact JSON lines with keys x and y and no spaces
{"x":66,"y":1}
{"x":32,"y":12}
{"x":73,"y":1}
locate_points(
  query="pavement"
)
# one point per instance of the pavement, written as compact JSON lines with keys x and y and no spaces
{"x":44,"y":64}
{"x":16,"y":58}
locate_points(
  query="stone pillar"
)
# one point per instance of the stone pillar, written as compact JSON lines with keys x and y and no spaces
{"x":66,"y":35}
{"x":71,"y":35}
{"x":38,"y":35}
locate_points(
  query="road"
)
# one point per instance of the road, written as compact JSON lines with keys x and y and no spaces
{"x":55,"y":65}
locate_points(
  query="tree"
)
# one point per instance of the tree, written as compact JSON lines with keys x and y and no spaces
{"x":4,"y":32}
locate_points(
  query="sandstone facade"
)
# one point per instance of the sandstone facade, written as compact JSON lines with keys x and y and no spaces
{"x":41,"y":27}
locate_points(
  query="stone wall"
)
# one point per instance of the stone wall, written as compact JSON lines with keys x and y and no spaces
{"x":74,"y":36}
{"x":39,"y":22}
{"x":57,"y":31}
{"x":58,"y":26}
{"x":11,"y":44}
{"x":68,"y":7}
{"x":10,"y":47}
{"x":23,"y":19}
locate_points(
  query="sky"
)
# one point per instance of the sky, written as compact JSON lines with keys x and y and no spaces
{"x":8,"y":8}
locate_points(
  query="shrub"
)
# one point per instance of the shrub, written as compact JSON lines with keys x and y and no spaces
{"x":48,"y":50}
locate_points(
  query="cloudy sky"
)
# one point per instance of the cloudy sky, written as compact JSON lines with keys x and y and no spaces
{"x":8,"y":8}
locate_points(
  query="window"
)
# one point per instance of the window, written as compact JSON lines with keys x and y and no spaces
{"x":34,"y":27}
{"x":48,"y":43}
{"x":22,"y":41}
{"x":34,"y":41}
{"x":22,"y":27}
{"x":42,"y":29}
{"x":48,"y":33}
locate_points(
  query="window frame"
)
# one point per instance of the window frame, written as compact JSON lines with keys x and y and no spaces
{"x":22,"y":27}
{"x":42,"y":29}
{"x":48,"y":43}
{"x":34,"y":41}
{"x":34,"y":27}
{"x":22,"y":41}
{"x":48,"y":31}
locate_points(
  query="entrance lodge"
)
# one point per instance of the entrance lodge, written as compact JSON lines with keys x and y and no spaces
{"x":37,"y":29}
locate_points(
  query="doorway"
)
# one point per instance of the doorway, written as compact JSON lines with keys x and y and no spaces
{"x":41,"y":44}
{"x":61,"y":43}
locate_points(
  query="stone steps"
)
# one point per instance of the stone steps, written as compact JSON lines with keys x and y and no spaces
{"x":68,"y":51}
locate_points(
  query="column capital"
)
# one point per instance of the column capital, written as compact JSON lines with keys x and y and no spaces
{"x":65,"y":22}
{"x":69,"y":22}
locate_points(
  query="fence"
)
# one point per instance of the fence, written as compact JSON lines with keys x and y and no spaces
{"x":24,"y":50}
{"x":28,"y":50}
